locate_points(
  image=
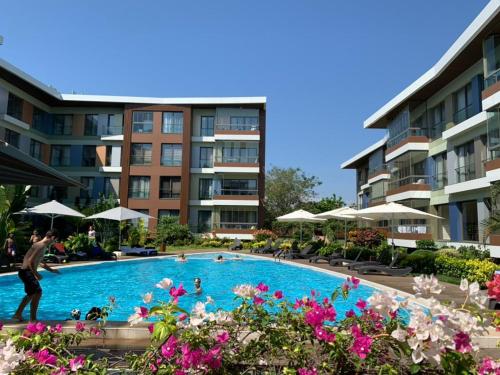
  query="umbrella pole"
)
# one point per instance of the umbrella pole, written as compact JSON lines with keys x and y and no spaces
{"x":301,"y":232}
{"x":51,"y":222}
{"x":392,"y":236}
{"x":120,"y":236}
{"x":345,"y":236}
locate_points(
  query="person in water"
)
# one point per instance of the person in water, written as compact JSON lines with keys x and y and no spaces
{"x":182,"y":258}
{"x":237,"y":257}
{"x":219,"y":259}
{"x":197,"y":286}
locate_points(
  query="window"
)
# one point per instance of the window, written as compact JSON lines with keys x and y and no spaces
{"x":142,"y":122}
{"x":462,"y":101}
{"x":35,"y":149}
{"x":239,"y":154}
{"x":205,"y":188}
{"x":170,"y":187}
{"x":60,"y":156}
{"x":141,"y":153}
{"x":207,"y":126}
{"x":88,"y":191}
{"x":111,"y":187}
{"x":58,"y":193}
{"x":40,"y":119}
{"x":238,"y":219}
{"x":12,"y":138}
{"x":437,"y":121}
{"x":15,"y":106}
{"x":168,"y":213}
{"x":206,"y":157}
{"x":139,"y":187}
{"x":440,"y":173}
{"x":466,"y":169}
{"x":491,"y":53}
{"x":470,"y":221}
{"x":204,"y":221}
{"x":239,"y":187}
{"x":62,"y":125}
{"x":173,"y":122}
{"x":113,"y":126}
{"x":109,"y":152}
{"x":244,"y":123}
{"x":88,"y":156}
{"x":91,"y":122}
{"x":171,"y":154}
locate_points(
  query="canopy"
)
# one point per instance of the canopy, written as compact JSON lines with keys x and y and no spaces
{"x":51,"y":209}
{"x":299,"y":216}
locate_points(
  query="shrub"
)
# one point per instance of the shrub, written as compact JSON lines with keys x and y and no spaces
{"x":212,"y":243}
{"x":286,"y":245}
{"x":78,"y":243}
{"x":426,"y":244}
{"x":421,"y":261}
{"x":451,"y":252}
{"x":367,"y":254}
{"x":471,"y":269}
{"x":258,"y":244}
{"x":334,"y":247}
{"x":169,"y":231}
{"x":471,"y":252}
{"x":366,"y":237}
{"x":263,"y":234}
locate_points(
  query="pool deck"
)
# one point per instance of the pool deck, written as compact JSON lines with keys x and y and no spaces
{"x":120,"y":335}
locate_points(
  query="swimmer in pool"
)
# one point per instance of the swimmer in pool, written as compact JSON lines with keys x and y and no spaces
{"x":219,"y":259}
{"x":181,"y":258}
{"x":197,"y":286}
{"x":237,"y":258}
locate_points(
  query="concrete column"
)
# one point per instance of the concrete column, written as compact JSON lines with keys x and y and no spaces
{"x":451,"y":164}
{"x":482,"y":214}
{"x":448,"y":112}
{"x":456,"y":231}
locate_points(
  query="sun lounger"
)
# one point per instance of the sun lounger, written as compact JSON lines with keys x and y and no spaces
{"x":141,"y":251}
{"x":306,"y":253}
{"x":340,"y":261}
{"x":357,"y":265}
{"x":266,"y":247}
{"x":385,"y":270}
{"x":236,"y":245}
{"x":274,"y":248}
{"x":327,"y":258}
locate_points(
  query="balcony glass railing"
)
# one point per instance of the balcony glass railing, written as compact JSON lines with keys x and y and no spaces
{"x":466,"y":172}
{"x":138,"y":193}
{"x":492,"y":79}
{"x":377,"y":170}
{"x":410,"y":132}
{"x":237,"y":159}
{"x":169,"y":194}
{"x":411,"y":229}
{"x":236,"y":191}
{"x":414,"y":179}
{"x":462,"y":114}
{"x":167,"y":162}
{"x":436,"y":130}
{"x":440,"y":181}
{"x":237,"y":127}
{"x":113,"y":130}
{"x":140,"y":159}
{"x":224,"y":225}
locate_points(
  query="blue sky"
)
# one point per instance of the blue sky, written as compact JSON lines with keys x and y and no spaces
{"x":324,"y":65}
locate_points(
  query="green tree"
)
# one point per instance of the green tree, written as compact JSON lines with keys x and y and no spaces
{"x":12,"y":199}
{"x":325,"y":204}
{"x":287,"y":189}
{"x":492,"y":224}
{"x":107,"y":229}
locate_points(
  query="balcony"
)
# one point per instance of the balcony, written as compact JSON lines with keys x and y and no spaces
{"x":439,"y":181}
{"x":112,"y":133}
{"x":411,"y":139}
{"x":466,"y":172}
{"x":379,"y":173}
{"x":237,"y":163}
{"x":410,"y":187}
{"x":237,"y":132}
{"x":463,"y":114}
{"x":240,"y":197}
{"x":140,"y":159}
{"x":236,"y":127}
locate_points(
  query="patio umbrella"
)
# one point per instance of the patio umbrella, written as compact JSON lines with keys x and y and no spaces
{"x":51,"y":209}
{"x":299,"y":216}
{"x":120,"y":214}
{"x":393,"y":211}
{"x":343,"y":213}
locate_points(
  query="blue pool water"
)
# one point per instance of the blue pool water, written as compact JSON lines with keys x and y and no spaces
{"x":87,"y":286}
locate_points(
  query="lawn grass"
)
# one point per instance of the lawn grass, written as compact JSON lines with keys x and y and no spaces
{"x":448,"y":279}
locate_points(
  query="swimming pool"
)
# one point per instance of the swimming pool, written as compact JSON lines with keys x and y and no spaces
{"x":86,"y":286}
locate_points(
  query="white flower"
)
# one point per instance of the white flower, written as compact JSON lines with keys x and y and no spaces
{"x":135,"y":317}
{"x":417,"y":355}
{"x":474,"y":288}
{"x":148,"y":297}
{"x":426,"y":285}
{"x":166,"y":283}
{"x":383,"y":302}
{"x":399,"y":334}
{"x":209,"y":300}
{"x":9,"y":357}
{"x":245,"y":291}
{"x":464,"y":285}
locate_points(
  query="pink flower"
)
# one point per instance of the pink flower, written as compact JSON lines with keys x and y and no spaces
{"x":177,"y":292}
{"x":153,"y":368}
{"x":278,"y":294}
{"x":182,"y":317}
{"x":80,"y":327}
{"x":489,"y":367}
{"x":257,"y":300}
{"x":190,"y":358}
{"x":354,"y":281}
{"x":96,"y":331}
{"x":60,"y":371}
{"x":261,"y":287}
{"x":323,"y":335}
{"x":305,"y":371}
{"x":56,"y":329}
{"x":168,"y":349}
{"x":361,"y":304}
{"x":77,"y":363}
{"x":345,"y":287}
{"x":213,"y":358}
{"x":151,"y":328}
{"x":223,"y":337}
{"x":462,"y":342}
{"x":1,"y":326}
{"x":37,"y":327}
{"x":143,"y":312}
{"x":165,"y":284}
{"x":45,"y":358}
{"x":350,"y":313}
{"x":362,"y":344}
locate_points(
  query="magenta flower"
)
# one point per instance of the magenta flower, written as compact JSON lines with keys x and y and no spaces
{"x":190,"y":358}
{"x":182,"y":317}
{"x":168,"y":349}
{"x":345,"y":287}
{"x":362,"y":344}
{"x":38,"y":327}
{"x":151,"y":328}
{"x":96,"y":331}
{"x":77,"y":363}
{"x":179,"y":372}
{"x":462,"y":342}
{"x":56,"y":329}
{"x":350,"y":313}
{"x":45,"y":358}
{"x":361,"y":304}
{"x":80,"y":327}
{"x":153,"y":368}
{"x":143,"y":312}
{"x":323,"y":335}
{"x":223,"y":337}
{"x":263,"y":288}
{"x":1,"y":326}
{"x":177,"y":292}
{"x":489,"y":367}
{"x":212,"y":358}
{"x":305,"y":371}
{"x":330,"y":313}
{"x":60,"y":371}
{"x":354,"y":281}
{"x":257,"y":300}
{"x":278,"y":294}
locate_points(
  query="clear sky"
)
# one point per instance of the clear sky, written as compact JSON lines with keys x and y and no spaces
{"x":325,"y":65}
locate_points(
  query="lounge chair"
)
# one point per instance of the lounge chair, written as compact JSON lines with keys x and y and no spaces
{"x":317,"y":258}
{"x":385,"y":270}
{"x":357,"y":265}
{"x":306,"y":253}
{"x":266,"y":247}
{"x":274,"y":248}
{"x":141,"y":251}
{"x":56,"y":254}
{"x":236,"y":245}
{"x":340,"y":261}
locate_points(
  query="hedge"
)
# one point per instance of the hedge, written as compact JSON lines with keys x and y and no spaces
{"x":421,"y":261}
{"x":470,"y":269}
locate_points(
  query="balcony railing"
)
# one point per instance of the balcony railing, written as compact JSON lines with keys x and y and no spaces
{"x":436,"y":130}
{"x":410,"y":132}
{"x":440,"y":181}
{"x":237,"y":127}
{"x":204,"y":163}
{"x":138,"y":193}
{"x":466,"y":172}
{"x":113,"y":130}
{"x":235,"y":225}
{"x":237,"y":159}
{"x":492,"y":79}
{"x":411,"y":229}
{"x":169,"y":194}
{"x":462,"y":114}
{"x":171,"y":162}
{"x":140,"y":159}
{"x":236,"y":192}
{"x":377,"y":170}
{"x":414,"y":179}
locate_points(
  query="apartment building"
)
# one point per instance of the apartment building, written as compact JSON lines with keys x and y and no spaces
{"x":441,"y":149}
{"x":199,"y":159}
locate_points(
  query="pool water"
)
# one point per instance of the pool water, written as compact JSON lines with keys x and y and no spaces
{"x":87,"y":286}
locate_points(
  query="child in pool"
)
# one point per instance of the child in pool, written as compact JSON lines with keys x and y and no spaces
{"x":237,"y":258}
{"x":181,"y":258}
{"x":197,"y":286}
{"x":219,"y":259}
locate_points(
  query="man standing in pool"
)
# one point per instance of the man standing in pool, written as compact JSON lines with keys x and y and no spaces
{"x":30,"y":276}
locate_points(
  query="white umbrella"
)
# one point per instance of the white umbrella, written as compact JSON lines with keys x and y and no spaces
{"x":393,"y":211}
{"x":299,"y":216}
{"x":120,"y":214}
{"x":51,"y":209}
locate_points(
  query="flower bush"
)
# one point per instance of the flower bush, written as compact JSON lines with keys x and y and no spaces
{"x":471,"y":269}
{"x":366,"y":237}
{"x":266,"y":333}
{"x":264,"y":234}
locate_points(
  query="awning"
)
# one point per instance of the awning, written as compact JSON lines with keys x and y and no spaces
{"x":18,"y":168}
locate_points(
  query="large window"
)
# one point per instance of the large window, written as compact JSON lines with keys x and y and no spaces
{"x":491,"y":53}
{"x":238,"y":219}
{"x":173,"y":122}
{"x":470,"y":221}
{"x":244,"y":123}
{"x":239,"y":154}
{"x":437,"y":121}
{"x":204,"y":221}
{"x":466,"y":169}
{"x":440,"y":171}
{"x":139,"y":187}
{"x":205,"y":188}
{"x":140,"y":153}
{"x":239,"y":187}
{"x":171,"y":154}
{"x":60,"y":156}
{"x":88,"y":156}
{"x":462,"y":104}
{"x":88,"y":191}
{"x":207,"y":126}
{"x":111,"y":186}
{"x":142,"y":122}
{"x":114,"y":125}
{"x":62,"y":124}
{"x":40,"y":119}
{"x":12,"y":137}
{"x":15,"y":106}
{"x":91,"y":123}
{"x":170,"y":187}
{"x":206,"y":157}
{"x":36,"y":149}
